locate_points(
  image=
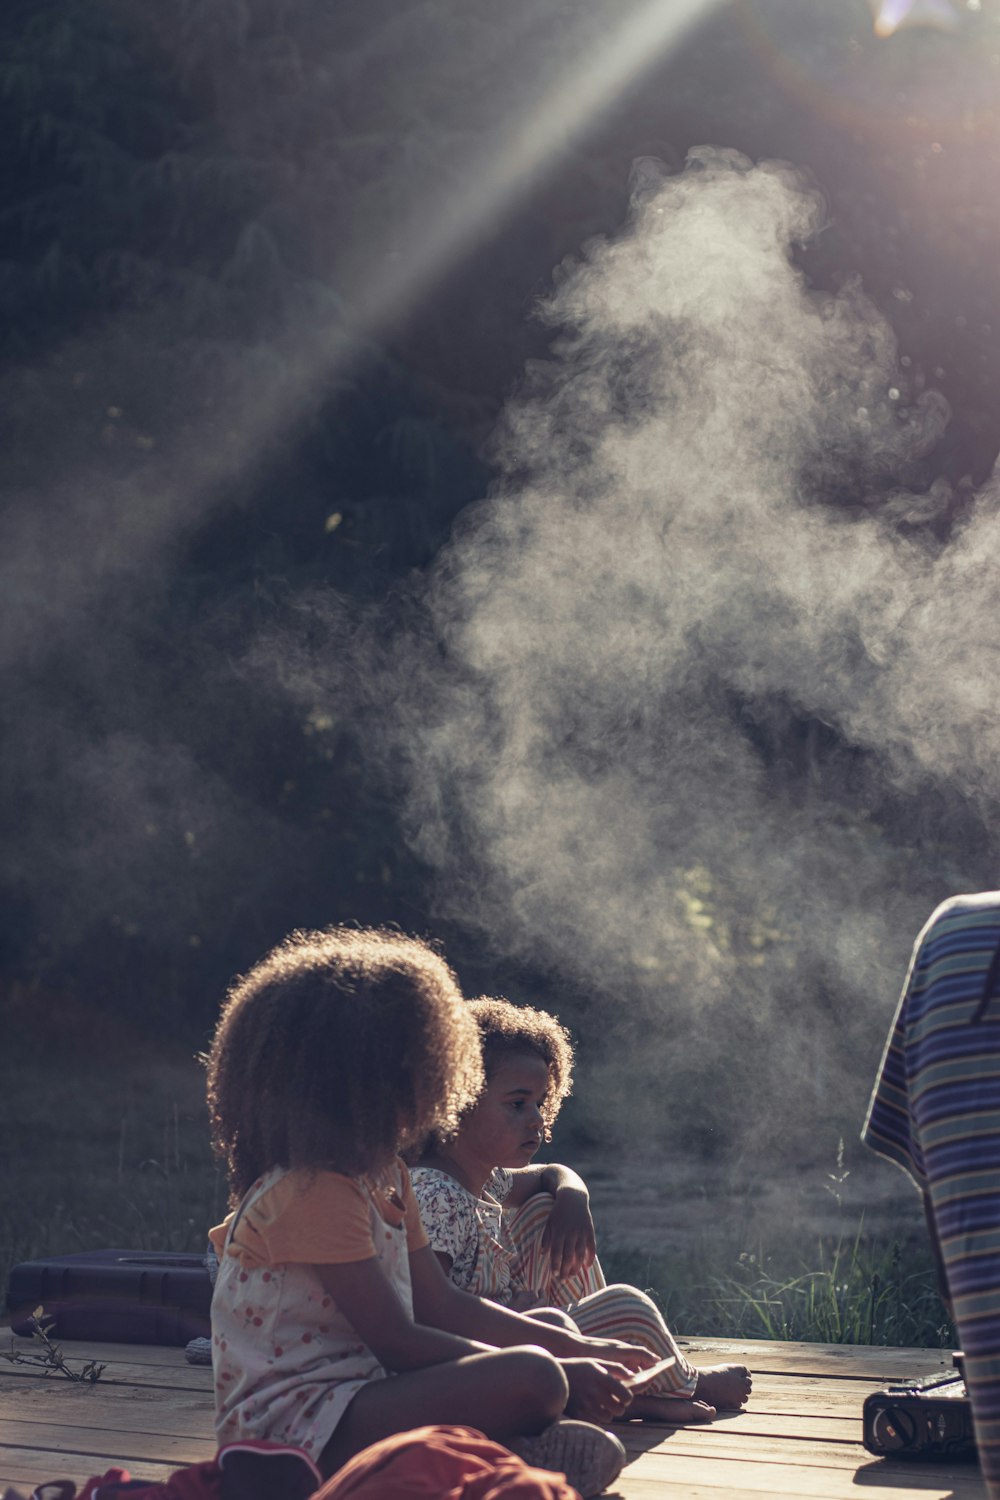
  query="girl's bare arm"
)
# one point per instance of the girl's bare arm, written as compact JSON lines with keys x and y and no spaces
{"x":548,"y":1177}
{"x":438,"y":1302}
{"x":569,"y":1235}
{"x":372,"y":1306}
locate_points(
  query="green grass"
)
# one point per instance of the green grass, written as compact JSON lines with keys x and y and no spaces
{"x":113,"y":1152}
{"x":850,"y":1290}
{"x":842,"y":1286}
{"x":102,"y":1153}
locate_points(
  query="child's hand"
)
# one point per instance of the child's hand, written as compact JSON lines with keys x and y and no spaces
{"x":525,"y":1301}
{"x":569,"y":1235}
{"x":596,"y":1390}
{"x":608,"y":1351}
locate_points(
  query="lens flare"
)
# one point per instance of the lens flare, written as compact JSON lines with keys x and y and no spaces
{"x":894,"y":15}
{"x":858,"y":87}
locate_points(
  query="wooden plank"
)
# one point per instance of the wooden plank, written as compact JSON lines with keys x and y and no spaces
{"x":112,"y":1411}
{"x":124,"y":1364}
{"x":844,"y":1406}
{"x":807,"y":1396}
{"x":798,"y":1425}
{"x":78,"y":1351}
{"x":721,"y":1445}
{"x":693,"y":1480}
{"x":115,"y":1445}
{"x":794,"y":1485}
{"x":154,"y":1378}
{"x":838,"y":1359}
{"x":810,"y":1394}
{"x":841,"y":1360}
{"x":760,"y":1453}
{"x":29,"y":1467}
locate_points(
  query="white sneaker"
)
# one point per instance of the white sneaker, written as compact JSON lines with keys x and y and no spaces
{"x":589,"y":1457}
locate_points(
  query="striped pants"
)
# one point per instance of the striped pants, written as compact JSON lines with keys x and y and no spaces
{"x":598,"y":1310}
{"x":935,"y":1112}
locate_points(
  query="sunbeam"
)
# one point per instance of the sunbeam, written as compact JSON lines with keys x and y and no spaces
{"x":189,"y":480}
{"x":490,"y":182}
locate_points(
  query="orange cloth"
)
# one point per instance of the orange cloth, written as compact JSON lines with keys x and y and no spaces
{"x":442,"y":1463}
{"x":430,"y":1463}
{"x":317,"y":1218}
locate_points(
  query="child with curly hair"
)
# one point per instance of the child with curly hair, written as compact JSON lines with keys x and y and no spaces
{"x":523,"y":1235}
{"x":333,"y":1323}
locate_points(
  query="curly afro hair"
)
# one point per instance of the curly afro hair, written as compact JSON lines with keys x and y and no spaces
{"x":337,"y":1050}
{"x":505,"y":1028}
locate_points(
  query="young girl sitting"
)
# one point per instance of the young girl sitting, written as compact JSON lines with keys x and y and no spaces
{"x":523,"y":1236}
{"x":335,"y":1051}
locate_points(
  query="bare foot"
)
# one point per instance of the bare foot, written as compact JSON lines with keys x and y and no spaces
{"x":674,"y":1411}
{"x":725,"y":1386}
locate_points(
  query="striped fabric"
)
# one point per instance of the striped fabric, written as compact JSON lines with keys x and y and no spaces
{"x":935,"y":1112}
{"x":599,"y":1311}
{"x":532,"y":1263}
{"x":628,"y":1315}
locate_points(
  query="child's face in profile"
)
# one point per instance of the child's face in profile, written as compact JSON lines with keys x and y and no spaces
{"x":505,"y":1128}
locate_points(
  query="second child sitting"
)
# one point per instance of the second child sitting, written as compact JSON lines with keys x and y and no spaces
{"x":523,"y":1236}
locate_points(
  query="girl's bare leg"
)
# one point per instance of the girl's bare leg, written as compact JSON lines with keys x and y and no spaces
{"x":555,"y":1316}
{"x":726,"y":1386}
{"x":513,"y":1392}
{"x":672,"y":1411}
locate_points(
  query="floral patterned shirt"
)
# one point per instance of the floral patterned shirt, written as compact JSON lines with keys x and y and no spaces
{"x":470,"y":1230}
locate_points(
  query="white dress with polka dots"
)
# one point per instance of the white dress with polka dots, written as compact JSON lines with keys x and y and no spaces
{"x":287,"y":1361}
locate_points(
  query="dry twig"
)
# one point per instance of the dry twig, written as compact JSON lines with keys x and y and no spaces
{"x":51,"y":1359}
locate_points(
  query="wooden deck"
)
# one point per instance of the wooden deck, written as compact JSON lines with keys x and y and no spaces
{"x":151,"y":1412}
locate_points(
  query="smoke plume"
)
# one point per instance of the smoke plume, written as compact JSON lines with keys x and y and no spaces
{"x":701,"y":718}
